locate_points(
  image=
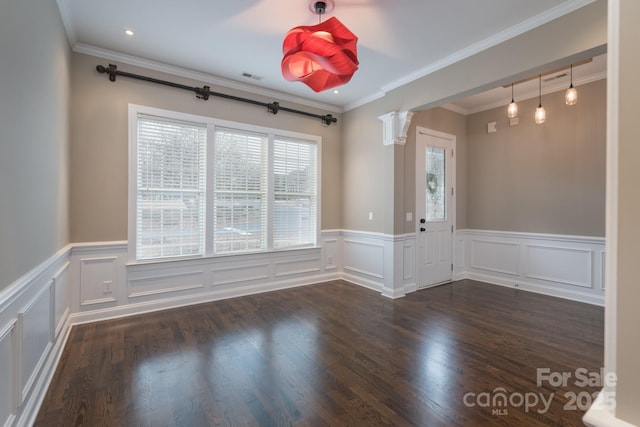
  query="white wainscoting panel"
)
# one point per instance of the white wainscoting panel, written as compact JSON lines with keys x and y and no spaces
{"x":8,"y":374}
{"x":96,"y":275}
{"x":155,"y":283}
{"x":239,"y":272}
{"x":331,"y":254}
{"x":61,"y":298}
{"x":382,"y":262}
{"x":495,"y":256}
{"x":569,"y":267}
{"x":298,"y":266}
{"x":33,"y":330}
{"x":151,"y":286}
{"x":364,"y":256}
{"x":34,"y":324}
{"x":558,"y":264}
{"x":409,"y":263}
{"x":460,"y":257}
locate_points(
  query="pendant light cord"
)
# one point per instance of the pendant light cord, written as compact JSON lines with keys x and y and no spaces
{"x":571,"y":76}
{"x":540,"y":90}
{"x":320,"y":7}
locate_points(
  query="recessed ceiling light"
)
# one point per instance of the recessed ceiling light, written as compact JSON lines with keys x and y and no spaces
{"x":128,"y":32}
{"x":336,"y":91}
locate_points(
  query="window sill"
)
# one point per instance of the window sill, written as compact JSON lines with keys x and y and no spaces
{"x":227,"y":256}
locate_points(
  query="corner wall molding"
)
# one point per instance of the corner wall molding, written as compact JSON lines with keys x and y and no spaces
{"x":395,"y":126}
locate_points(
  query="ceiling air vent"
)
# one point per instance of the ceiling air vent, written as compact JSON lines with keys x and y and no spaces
{"x":555,"y":77}
{"x":251,"y":76}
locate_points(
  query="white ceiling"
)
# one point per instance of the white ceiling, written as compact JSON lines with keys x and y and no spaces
{"x":399,"y":40}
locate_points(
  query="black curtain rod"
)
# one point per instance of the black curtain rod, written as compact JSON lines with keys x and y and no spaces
{"x":204,"y":93}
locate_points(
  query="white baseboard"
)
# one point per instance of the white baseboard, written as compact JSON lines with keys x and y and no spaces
{"x":600,"y":415}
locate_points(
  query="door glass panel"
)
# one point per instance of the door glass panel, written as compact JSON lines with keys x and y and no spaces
{"x":435,"y":192}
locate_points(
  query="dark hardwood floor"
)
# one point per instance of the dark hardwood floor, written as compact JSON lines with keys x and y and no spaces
{"x":333,"y":354}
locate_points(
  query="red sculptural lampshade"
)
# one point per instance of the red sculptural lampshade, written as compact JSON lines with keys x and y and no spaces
{"x":321,"y":56}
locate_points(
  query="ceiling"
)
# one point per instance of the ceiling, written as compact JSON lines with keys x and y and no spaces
{"x":219,"y":41}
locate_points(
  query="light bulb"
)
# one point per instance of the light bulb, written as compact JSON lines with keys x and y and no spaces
{"x":512,"y":110}
{"x":571,"y":96}
{"x":541,"y":115}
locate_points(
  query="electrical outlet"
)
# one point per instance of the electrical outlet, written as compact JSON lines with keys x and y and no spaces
{"x":106,"y":286}
{"x":370,"y":216}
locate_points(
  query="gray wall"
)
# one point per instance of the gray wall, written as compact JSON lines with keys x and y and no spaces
{"x":367,"y":174}
{"x":99,"y":142}
{"x":34,"y":108}
{"x":547,"y":178}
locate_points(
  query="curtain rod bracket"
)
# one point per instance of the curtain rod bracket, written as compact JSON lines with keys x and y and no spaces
{"x":274,"y":107}
{"x":203,"y":92}
{"x":112,"y":71}
{"x":328,"y":119}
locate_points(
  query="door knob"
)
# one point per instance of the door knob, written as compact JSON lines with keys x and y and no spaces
{"x":422,"y":221}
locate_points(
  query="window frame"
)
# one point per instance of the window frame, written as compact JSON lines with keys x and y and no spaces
{"x":211,"y":124}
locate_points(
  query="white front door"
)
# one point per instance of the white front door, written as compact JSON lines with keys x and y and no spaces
{"x":435,"y":206}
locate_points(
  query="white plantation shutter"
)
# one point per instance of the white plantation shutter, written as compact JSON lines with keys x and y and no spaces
{"x":170,"y":190}
{"x":295,"y":193}
{"x":240,"y":191}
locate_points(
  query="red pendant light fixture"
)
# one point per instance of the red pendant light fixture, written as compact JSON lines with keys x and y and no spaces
{"x":321,"y":56}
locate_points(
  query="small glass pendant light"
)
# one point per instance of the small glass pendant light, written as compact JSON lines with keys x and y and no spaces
{"x":541,"y":115}
{"x":512,"y":109}
{"x":571,"y":95}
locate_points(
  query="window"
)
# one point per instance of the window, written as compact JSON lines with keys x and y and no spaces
{"x":202,"y":187}
{"x":240,"y":196}
{"x":170,"y":214}
{"x":294,"y":172}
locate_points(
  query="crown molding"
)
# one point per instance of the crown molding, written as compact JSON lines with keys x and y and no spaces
{"x":509,"y":33}
{"x":197,"y":75}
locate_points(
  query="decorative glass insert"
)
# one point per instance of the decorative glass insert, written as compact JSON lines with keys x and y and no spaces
{"x":435,"y":189}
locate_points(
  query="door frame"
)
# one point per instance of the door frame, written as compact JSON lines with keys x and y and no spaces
{"x":420,"y":132}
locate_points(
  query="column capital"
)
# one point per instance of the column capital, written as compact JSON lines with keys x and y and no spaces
{"x":395,"y":126}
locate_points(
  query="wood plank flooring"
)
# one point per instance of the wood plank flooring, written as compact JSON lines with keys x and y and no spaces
{"x":333,"y":354}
